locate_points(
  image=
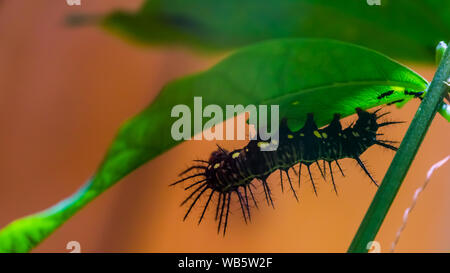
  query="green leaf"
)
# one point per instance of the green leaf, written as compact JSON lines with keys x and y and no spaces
{"x":402,"y":28}
{"x":302,"y":76}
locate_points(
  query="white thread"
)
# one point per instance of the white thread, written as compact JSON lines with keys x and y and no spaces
{"x":414,"y":200}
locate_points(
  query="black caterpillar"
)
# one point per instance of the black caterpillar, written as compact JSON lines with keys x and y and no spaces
{"x":235,"y":172}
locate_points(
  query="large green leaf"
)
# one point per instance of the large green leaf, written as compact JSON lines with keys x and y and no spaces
{"x":302,"y":76}
{"x":407,"y":29}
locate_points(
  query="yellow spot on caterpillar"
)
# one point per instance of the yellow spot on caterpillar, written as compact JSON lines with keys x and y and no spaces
{"x":317,"y":134}
{"x":339,"y":134}
{"x":246,"y":149}
{"x":290,"y":136}
{"x":236,"y":154}
{"x":302,"y":134}
{"x":295,"y":102}
{"x":355,"y":134}
{"x":324,"y":135}
{"x":262,"y":144}
{"x":217,"y":165}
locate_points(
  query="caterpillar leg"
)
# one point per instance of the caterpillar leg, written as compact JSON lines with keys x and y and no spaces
{"x":186,"y":178}
{"x":192,"y":168}
{"x":365,"y":170}
{"x":218,"y":205}
{"x":389,"y":123}
{"x":192,"y":194}
{"x":320,"y":170}
{"x":299,"y":173}
{"x":221,"y":204}
{"x":281,"y":181}
{"x":340,"y":169}
{"x":294,"y":170}
{"x":226,"y":216}
{"x":253,"y":197}
{"x":246,"y":202}
{"x":242,"y":203}
{"x":332,"y":178}
{"x":206,"y":206}
{"x":267,"y":192}
{"x":312,"y":180}
{"x":384,"y":144}
{"x":290,"y":184}
{"x":195,"y":201}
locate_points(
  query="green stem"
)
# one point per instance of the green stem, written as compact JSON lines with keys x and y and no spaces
{"x":393,"y":179}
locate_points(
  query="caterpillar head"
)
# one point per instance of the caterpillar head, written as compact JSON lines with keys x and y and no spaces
{"x":217,"y":156}
{"x":217,"y":169}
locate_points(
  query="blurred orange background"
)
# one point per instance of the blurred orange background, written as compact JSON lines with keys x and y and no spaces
{"x":64,"y":93}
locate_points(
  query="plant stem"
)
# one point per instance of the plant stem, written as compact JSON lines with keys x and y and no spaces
{"x":393,"y":179}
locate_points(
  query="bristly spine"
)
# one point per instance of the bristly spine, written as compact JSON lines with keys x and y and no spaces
{"x":236,"y":172}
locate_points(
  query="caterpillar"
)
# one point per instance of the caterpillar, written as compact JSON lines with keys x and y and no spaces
{"x":237,"y":172}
